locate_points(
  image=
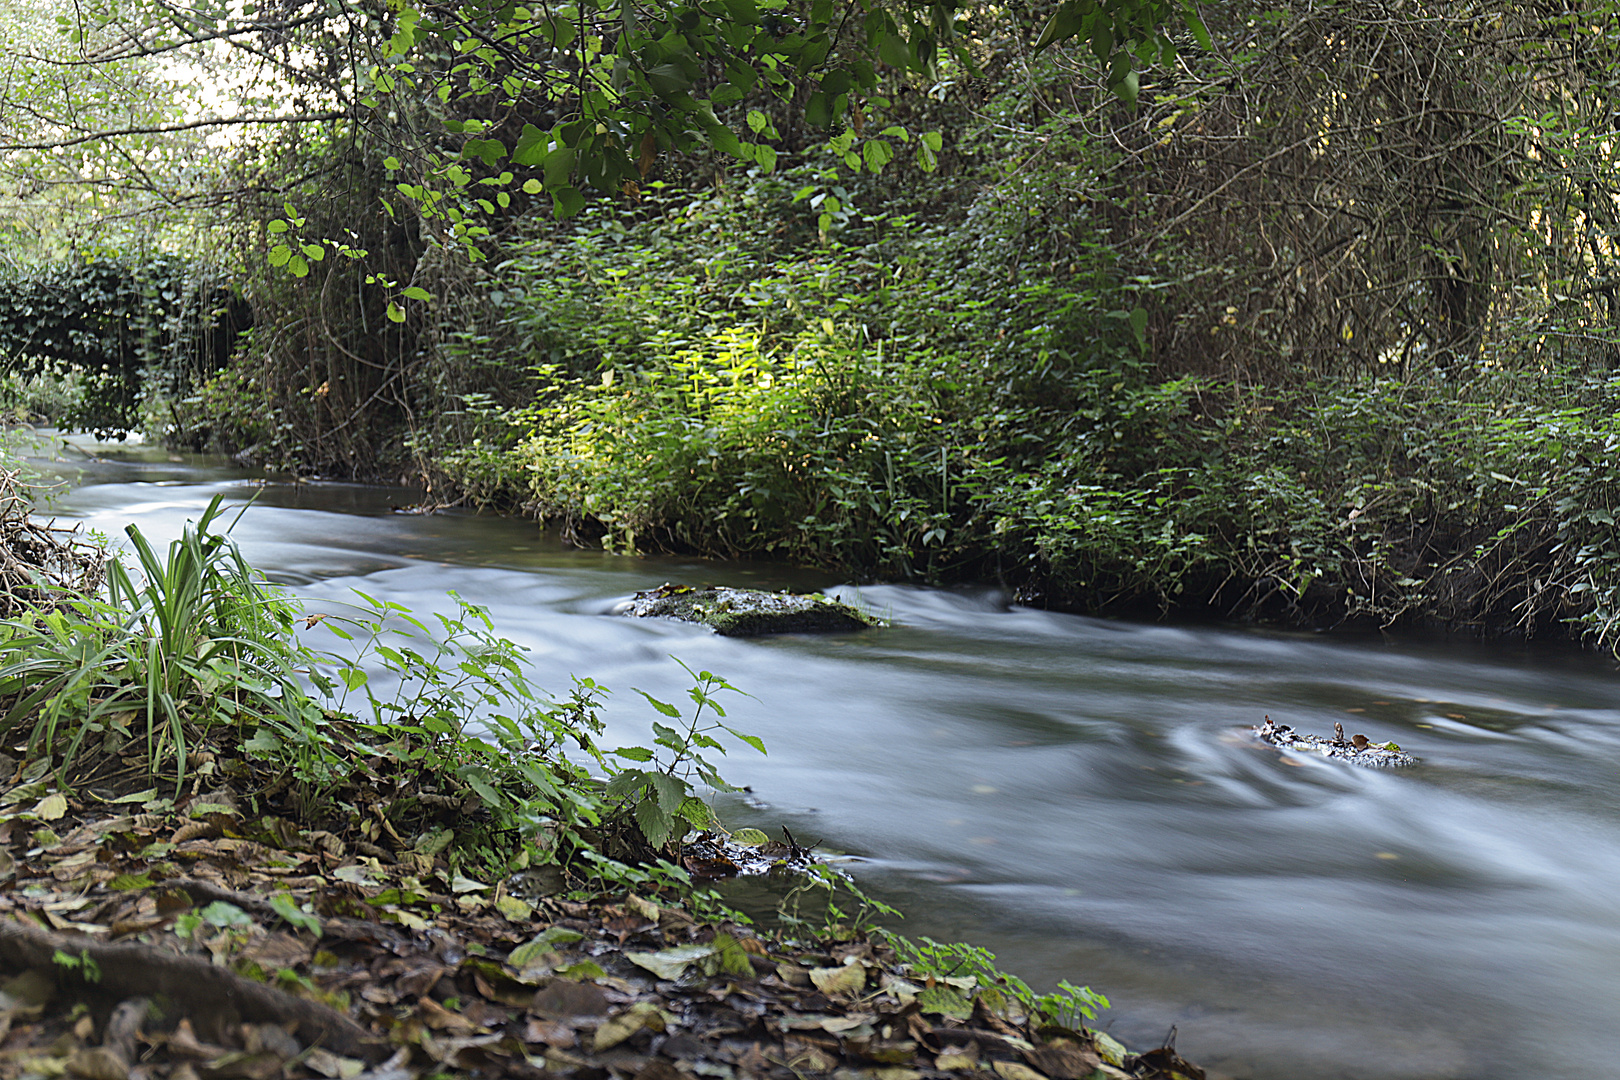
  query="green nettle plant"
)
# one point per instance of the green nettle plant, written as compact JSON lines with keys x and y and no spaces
{"x":663,"y":799}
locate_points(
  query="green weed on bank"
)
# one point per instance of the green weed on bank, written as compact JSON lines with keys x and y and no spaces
{"x":198,"y":661}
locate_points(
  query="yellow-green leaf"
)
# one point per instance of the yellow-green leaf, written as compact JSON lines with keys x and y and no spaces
{"x":847,"y":980}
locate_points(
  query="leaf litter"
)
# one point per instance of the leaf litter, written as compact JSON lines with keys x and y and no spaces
{"x":135,"y":946}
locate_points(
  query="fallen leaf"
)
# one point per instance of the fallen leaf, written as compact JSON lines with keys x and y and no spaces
{"x":550,"y":1032}
{"x":97,"y":1063}
{"x":514,"y":910}
{"x":671,"y":964}
{"x":848,"y":980}
{"x":1013,"y":1070}
{"x":439,"y":1018}
{"x":331,"y":1065}
{"x":947,"y":1001}
{"x":564,"y":998}
{"x":1112,"y":1050}
{"x":641,"y":1015}
{"x":526,"y":954}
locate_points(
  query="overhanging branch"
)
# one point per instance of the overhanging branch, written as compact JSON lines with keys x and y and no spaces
{"x":166,"y":129}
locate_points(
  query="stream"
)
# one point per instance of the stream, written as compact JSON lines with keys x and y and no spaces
{"x":1080,"y":796}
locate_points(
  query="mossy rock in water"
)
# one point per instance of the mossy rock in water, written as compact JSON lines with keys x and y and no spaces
{"x":750,"y":612}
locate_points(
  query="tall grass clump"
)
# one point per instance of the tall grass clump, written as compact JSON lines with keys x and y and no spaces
{"x":197,"y":643}
{"x":427,"y":736}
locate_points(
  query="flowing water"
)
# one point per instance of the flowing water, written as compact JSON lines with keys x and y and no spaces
{"x":1080,"y":796}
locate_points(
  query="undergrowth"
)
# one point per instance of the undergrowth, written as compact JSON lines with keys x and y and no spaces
{"x":898,"y":401}
{"x":197,"y":672}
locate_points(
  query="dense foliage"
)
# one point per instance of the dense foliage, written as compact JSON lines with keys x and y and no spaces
{"x":130,"y":330}
{"x":1282,"y":310}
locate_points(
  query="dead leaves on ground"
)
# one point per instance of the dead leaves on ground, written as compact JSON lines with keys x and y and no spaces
{"x":455,"y":975}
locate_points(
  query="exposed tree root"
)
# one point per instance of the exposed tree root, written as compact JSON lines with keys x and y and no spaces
{"x":213,"y":998}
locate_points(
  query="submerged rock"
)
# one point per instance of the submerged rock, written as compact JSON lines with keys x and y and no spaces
{"x":750,"y":612}
{"x":1357,"y":749}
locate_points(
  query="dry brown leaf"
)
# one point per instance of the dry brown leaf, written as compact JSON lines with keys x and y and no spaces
{"x":194,"y":830}
{"x":439,"y":1018}
{"x":183,"y":1042}
{"x":1014,"y":1070}
{"x":551,"y":1032}
{"x":806,"y":1057}
{"x":562,"y":999}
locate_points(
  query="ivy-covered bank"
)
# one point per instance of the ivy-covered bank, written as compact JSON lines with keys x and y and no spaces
{"x":225,"y":853}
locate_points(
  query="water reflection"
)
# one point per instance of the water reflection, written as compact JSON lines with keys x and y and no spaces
{"x":1081,"y":796}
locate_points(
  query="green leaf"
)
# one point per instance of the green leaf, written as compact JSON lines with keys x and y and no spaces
{"x":1065,"y":23}
{"x":548,"y":941}
{"x":1139,"y":321}
{"x":766,"y":156}
{"x":415,"y":292}
{"x":531,"y":146}
{"x":275,"y":226}
{"x":752,"y":740}
{"x":559,"y":167}
{"x":634,"y":753}
{"x":662,"y":706}
{"x":1200,"y":33}
{"x":489,"y":151}
{"x":933,"y":140}
{"x":223,"y":914}
{"x":532,"y":186}
{"x":726,"y":141}
{"x":667,"y":79}
{"x":288,"y":909}
{"x":893,"y":50}
{"x":395,"y":314}
{"x":280,"y":254}
{"x":670,"y":964}
{"x":818,"y":110}
{"x":585,"y":969}
{"x":670,"y":790}
{"x":656,"y":825}
{"x":1126,"y":88}
{"x":877,"y":153}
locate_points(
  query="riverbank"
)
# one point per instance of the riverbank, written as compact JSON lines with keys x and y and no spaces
{"x":915,"y":403}
{"x":186,"y":938}
{"x":211,"y":873}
